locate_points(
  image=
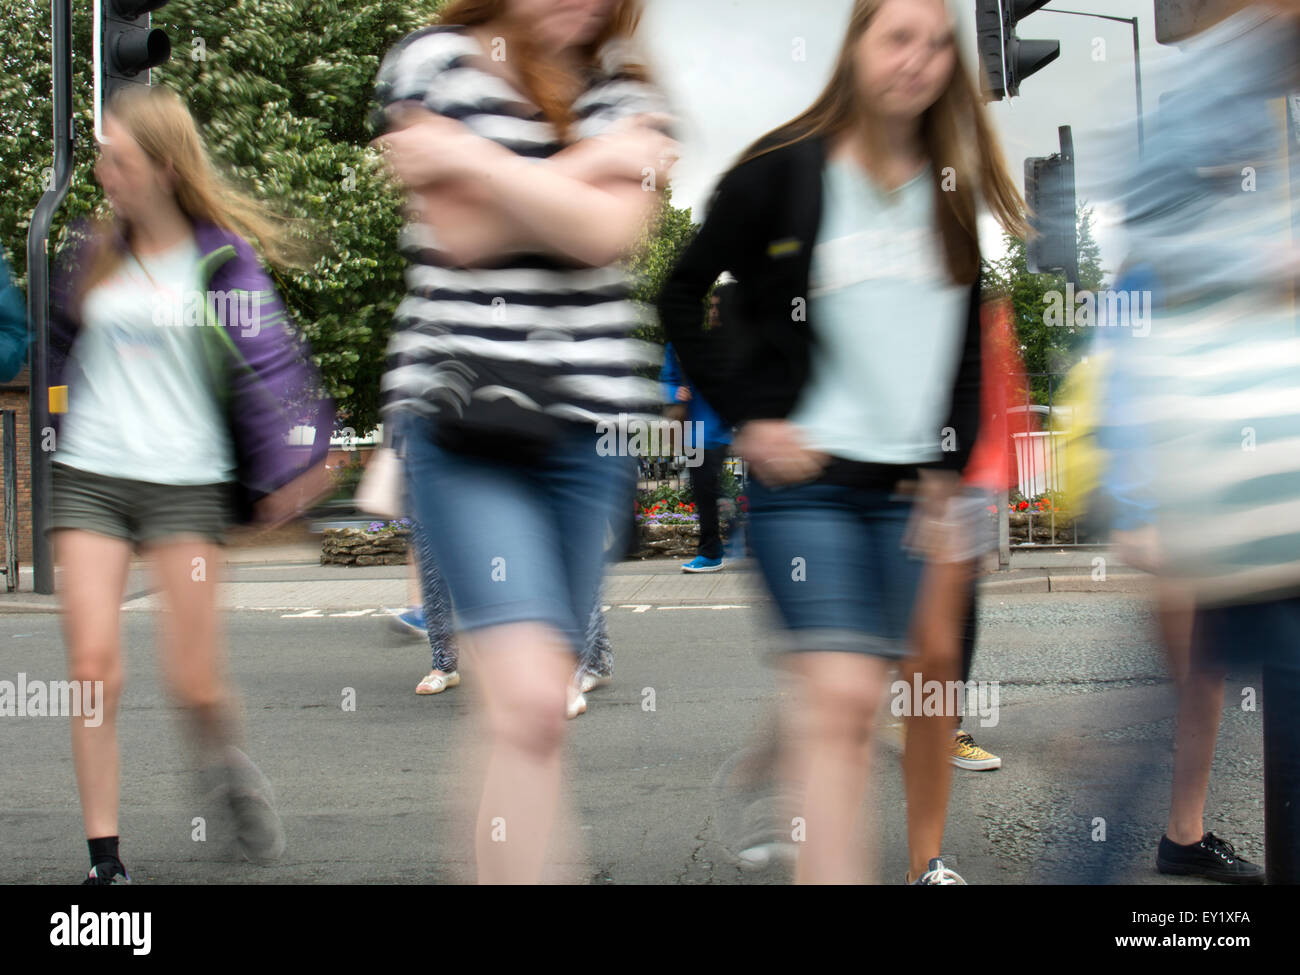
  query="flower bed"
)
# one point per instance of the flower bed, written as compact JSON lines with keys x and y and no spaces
{"x":669,"y":527}
{"x":1048,"y":510}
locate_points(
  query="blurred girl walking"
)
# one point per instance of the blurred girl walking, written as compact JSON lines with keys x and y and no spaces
{"x":182,"y":384}
{"x":852,"y":232}
{"x":531,"y":174}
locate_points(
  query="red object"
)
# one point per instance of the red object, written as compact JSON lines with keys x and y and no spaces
{"x":992,"y":463}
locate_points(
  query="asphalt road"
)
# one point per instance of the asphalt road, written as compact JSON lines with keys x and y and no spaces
{"x":383,"y":794}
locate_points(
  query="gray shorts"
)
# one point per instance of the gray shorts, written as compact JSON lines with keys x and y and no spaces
{"x":140,"y":512}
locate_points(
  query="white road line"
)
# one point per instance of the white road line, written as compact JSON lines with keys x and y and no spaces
{"x":720,"y":606}
{"x":316,"y":614}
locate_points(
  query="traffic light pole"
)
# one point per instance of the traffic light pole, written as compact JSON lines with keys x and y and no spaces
{"x":1137,"y":62}
{"x":38,"y":292}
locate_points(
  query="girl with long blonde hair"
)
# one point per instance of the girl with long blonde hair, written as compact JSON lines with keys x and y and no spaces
{"x":182,"y":383}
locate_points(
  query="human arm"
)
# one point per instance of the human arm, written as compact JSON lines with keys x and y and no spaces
{"x":588,"y":203}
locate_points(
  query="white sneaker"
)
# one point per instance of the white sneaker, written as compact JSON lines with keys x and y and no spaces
{"x":577,"y":703}
{"x":765,"y":854}
{"x":937,"y":875}
{"x":591,"y":681}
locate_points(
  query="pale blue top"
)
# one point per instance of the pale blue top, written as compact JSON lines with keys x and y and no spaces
{"x":889,"y":322}
{"x":146,"y":408}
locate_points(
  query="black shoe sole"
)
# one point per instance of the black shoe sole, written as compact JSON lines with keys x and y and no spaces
{"x":1181,"y":870}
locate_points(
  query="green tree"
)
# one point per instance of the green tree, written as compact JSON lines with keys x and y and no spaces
{"x":655,"y":257}
{"x":1048,"y":351}
{"x":282,"y":89}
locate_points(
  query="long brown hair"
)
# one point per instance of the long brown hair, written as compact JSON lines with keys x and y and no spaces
{"x":955,"y":132}
{"x":545,"y":81}
{"x":160,"y":122}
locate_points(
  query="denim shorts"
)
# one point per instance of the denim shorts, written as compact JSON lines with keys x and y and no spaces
{"x":516,"y":543}
{"x":140,"y":512}
{"x":1248,"y":636}
{"x":833,"y":559}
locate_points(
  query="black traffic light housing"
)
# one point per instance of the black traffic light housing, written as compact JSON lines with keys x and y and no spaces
{"x":128,"y":46}
{"x":1049,"y":191}
{"x":1005,"y":58}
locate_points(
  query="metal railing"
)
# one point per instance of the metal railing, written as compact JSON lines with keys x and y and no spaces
{"x":673,"y":472}
{"x":1042,"y":462}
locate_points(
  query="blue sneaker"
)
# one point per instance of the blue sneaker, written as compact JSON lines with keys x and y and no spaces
{"x":701,"y":564}
{"x":411,"y":622}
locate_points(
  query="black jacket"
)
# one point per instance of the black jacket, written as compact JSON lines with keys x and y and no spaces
{"x":761,"y":227}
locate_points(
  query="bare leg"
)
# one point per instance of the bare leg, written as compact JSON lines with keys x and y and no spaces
{"x":1200,"y":705}
{"x":190,"y":642}
{"x":827,"y":758}
{"x":94,"y":569}
{"x":927,"y":771}
{"x":525,"y":669}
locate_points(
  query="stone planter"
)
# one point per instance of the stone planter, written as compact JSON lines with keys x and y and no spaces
{"x":356,"y":546}
{"x":669,"y":540}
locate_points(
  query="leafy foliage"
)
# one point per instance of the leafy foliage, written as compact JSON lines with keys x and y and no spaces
{"x":1046,"y":350}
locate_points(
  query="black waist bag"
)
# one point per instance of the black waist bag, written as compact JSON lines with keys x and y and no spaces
{"x":505,"y":417}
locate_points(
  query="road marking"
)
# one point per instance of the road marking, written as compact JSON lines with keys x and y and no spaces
{"x":316,"y":614}
{"x":719,"y":606}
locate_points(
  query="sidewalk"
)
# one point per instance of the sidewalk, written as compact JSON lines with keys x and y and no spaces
{"x":290,"y":578}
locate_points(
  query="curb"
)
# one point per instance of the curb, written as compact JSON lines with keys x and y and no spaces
{"x":1012,"y":581}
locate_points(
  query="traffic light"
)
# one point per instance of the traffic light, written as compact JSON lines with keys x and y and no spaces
{"x":1049,"y":191}
{"x":1006,"y":59}
{"x":127,"y":46}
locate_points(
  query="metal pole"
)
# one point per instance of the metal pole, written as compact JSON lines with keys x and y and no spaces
{"x":1137,"y":63}
{"x":1137,"y":75}
{"x":1004,"y":529}
{"x":38,"y":291}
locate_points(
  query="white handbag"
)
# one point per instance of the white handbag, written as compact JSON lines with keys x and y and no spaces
{"x":380,"y":490}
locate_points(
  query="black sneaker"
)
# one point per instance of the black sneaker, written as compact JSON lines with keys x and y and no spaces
{"x":1212,"y":858}
{"x":104,"y":874}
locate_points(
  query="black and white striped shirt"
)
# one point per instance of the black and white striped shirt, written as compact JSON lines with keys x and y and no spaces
{"x":538,"y":331}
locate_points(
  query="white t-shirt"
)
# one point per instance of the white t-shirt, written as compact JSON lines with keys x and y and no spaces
{"x":889,"y":323}
{"x":145,"y":406}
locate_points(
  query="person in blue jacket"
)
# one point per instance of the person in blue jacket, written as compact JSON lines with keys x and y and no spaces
{"x":704,"y":428}
{"x":13,"y":326}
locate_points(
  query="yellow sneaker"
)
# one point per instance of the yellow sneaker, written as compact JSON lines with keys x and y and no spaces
{"x":968,"y":755}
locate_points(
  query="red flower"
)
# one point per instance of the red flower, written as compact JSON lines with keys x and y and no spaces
{"x":1022,"y":506}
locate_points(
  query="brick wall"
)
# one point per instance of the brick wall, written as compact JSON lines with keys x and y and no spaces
{"x":13,"y":396}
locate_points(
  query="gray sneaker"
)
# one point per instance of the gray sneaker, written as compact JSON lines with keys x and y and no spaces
{"x":242,"y":792}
